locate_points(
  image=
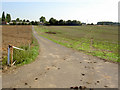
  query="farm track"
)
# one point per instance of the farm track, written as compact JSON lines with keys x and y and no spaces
{"x":61,"y":67}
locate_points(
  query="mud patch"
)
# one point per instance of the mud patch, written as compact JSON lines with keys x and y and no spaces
{"x":78,"y":87}
{"x":26,"y":83}
{"x":58,"y":68}
{"x":83,"y":74}
{"x":36,"y":79}
{"x":50,"y":32}
{"x":98,"y":81}
{"x":105,"y":86}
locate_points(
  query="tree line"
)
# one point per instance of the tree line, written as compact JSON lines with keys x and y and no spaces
{"x":42,"y":21}
{"x":6,"y":19}
{"x":53,"y":21}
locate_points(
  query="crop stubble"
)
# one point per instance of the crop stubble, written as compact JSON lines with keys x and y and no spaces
{"x":16,"y":36}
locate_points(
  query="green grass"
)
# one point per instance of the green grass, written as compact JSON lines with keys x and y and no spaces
{"x":25,"y":57}
{"x":100,"y":41}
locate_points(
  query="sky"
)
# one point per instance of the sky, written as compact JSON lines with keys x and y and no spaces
{"x":88,"y":11}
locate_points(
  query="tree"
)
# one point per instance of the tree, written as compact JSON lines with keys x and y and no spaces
{"x":17,"y":20}
{"x":61,"y":22}
{"x":27,"y":21}
{"x":53,"y":21}
{"x":20,"y":20}
{"x":47,"y":23}
{"x":92,"y":24}
{"x":14,"y":23}
{"x":24,"y":20}
{"x":8,"y":18}
{"x":36,"y":23}
{"x":43,"y":20}
{"x":32,"y":22}
{"x":13,"y":20}
{"x":0,"y":21}
{"x":69,"y":22}
{"x":19,"y":24}
{"x":75,"y":22}
{"x":3,"y":16}
{"x":23,"y":23}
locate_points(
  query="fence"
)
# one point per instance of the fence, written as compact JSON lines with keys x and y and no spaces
{"x":10,"y":50}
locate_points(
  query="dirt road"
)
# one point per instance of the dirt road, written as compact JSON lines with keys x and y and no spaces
{"x":61,"y":67}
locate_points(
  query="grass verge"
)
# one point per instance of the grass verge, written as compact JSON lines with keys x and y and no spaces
{"x":24,"y":57}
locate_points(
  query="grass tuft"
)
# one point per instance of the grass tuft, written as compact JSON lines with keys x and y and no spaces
{"x":24,"y":57}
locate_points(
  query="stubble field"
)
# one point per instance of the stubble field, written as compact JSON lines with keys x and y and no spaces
{"x":16,"y":36}
{"x":21,"y":37}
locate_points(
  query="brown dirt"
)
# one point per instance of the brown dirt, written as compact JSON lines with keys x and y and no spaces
{"x":16,"y":36}
{"x":50,"y":32}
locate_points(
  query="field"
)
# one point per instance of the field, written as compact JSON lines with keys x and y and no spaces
{"x":16,"y":36}
{"x":19,"y":36}
{"x":100,"y":41}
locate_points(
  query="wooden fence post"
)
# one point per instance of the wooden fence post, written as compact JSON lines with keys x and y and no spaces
{"x":10,"y":47}
{"x":29,"y":44}
{"x":11,"y":54}
{"x":91,"y":43}
{"x":8,"y":62}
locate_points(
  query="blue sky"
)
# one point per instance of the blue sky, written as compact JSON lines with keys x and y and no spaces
{"x":84,"y":10}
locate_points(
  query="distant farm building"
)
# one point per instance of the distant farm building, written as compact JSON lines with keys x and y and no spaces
{"x":83,"y":23}
{"x":116,"y":23}
{"x":19,"y":23}
{"x":108,"y":23}
{"x":10,"y":22}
